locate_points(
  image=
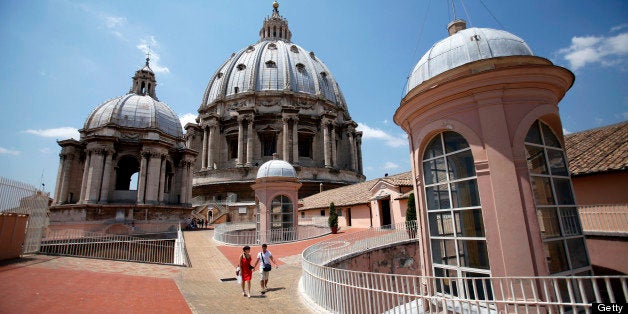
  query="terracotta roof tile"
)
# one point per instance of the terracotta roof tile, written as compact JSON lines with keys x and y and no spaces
{"x":358,"y":193}
{"x":598,"y":150}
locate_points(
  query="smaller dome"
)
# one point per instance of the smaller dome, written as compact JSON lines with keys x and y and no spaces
{"x":135,"y":111}
{"x":466,"y":46}
{"x":276,"y":168}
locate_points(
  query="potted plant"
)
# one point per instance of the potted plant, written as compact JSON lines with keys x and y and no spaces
{"x":411,"y":223}
{"x":333,"y":218}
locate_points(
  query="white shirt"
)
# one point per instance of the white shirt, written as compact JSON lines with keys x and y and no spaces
{"x":266,"y":259}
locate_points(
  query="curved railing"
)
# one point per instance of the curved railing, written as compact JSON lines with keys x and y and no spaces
{"x":346,"y":291}
{"x":243,"y":233}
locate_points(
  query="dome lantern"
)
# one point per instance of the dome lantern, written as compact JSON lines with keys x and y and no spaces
{"x":275,"y":27}
{"x":144,"y":81}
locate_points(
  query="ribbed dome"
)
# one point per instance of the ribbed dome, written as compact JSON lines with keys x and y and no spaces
{"x":273,"y":65}
{"x":466,"y":46}
{"x":276,"y":168}
{"x":135,"y":111}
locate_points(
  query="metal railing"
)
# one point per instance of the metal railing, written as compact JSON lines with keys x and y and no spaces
{"x":111,"y":226}
{"x":80,"y":243}
{"x":21,"y":198}
{"x":242,"y":233}
{"x":346,"y":291}
{"x":604,"y":219}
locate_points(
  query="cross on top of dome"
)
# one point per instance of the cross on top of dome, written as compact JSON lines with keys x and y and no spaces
{"x":275,"y":27}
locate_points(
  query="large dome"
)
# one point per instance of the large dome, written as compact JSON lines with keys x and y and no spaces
{"x":466,"y":46}
{"x":273,"y":64}
{"x":135,"y":111}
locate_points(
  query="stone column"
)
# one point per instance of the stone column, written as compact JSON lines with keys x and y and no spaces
{"x":184,"y":182}
{"x":85,"y":175}
{"x":65,"y":181}
{"x":106,"y":177}
{"x":212,"y":147}
{"x":153,"y":178}
{"x":359,"y":151}
{"x":295,"y":140}
{"x":59,"y":178}
{"x":240,"y":161}
{"x":204,"y":151}
{"x":352,"y":148}
{"x":95,"y":176}
{"x":141,"y":178}
{"x":249,"y":142}
{"x":286,"y":147}
{"x":162,"y":179}
{"x":334,"y":151}
{"x":326,"y":144}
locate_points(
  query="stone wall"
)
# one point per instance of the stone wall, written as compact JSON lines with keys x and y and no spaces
{"x":400,"y":259}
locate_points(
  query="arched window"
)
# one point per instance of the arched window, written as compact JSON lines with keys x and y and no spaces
{"x":282,"y":215}
{"x":456,"y":226}
{"x":127,"y":169}
{"x":563,"y":241}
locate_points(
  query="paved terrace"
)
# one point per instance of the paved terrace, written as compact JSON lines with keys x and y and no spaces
{"x":51,"y":284}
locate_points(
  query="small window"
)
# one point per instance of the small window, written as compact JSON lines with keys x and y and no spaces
{"x":323,"y":212}
{"x":294,"y":49}
{"x":250,"y":49}
{"x":219,"y":75}
{"x":271,"y":64}
{"x":312,"y":55}
{"x":272,"y":46}
{"x":236,"y":90}
{"x":339,"y":212}
{"x":302,"y":214}
{"x":241,"y":67}
{"x":324,"y":74}
{"x":300,"y":67}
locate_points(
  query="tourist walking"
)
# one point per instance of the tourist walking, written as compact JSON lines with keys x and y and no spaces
{"x":266,"y":257}
{"x":246,"y":270}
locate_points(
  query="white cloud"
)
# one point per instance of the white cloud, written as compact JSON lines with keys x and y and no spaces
{"x":187,"y":118}
{"x":565,"y":131}
{"x":619,"y":27}
{"x":114,"y":21}
{"x":369,"y":133}
{"x":59,"y":133}
{"x":45,"y":150}
{"x":8,"y":151}
{"x":390,"y":165}
{"x":605,"y":50}
{"x":623,"y":115}
{"x":148,"y":44}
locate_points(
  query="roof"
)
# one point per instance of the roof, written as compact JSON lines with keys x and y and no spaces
{"x":135,"y":111}
{"x":276,"y":168}
{"x":598,"y":150}
{"x":358,"y":193}
{"x":466,"y":46}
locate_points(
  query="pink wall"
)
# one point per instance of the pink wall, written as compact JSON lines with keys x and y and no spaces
{"x":609,"y":252}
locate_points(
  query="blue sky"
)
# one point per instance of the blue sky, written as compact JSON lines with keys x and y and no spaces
{"x":60,"y":59}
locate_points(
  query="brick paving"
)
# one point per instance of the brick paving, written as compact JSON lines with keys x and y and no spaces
{"x":39,"y":283}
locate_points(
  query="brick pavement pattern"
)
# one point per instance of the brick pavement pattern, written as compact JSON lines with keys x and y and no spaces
{"x":52,"y":284}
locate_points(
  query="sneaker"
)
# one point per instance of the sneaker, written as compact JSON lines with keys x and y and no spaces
{"x":243,"y":294}
{"x":248,"y":295}
{"x":263,"y":292}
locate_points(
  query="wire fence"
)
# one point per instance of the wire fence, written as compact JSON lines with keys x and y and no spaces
{"x":346,"y":291}
{"x":243,"y":233}
{"x":21,"y":198}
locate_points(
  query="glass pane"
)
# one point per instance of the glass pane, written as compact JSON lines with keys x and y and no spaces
{"x":577,"y":253}
{"x":563,"y":191}
{"x":454,"y":142}
{"x":542,"y":190}
{"x":548,"y":136}
{"x":534,"y":135}
{"x":441,"y":224}
{"x":536,"y":159}
{"x":437,"y":197}
{"x":444,"y":252}
{"x":465,"y":194}
{"x":434,"y":171}
{"x":461,"y":165}
{"x":446,"y":285}
{"x":469,"y":223}
{"x":557,"y":162}
{"x":555,"y":255}
{"x":548,"y":222}
{"x":571,"y":221}
{"x":473,"y":254}
{"x":478,"y":286}
{"x":434,"y":148}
